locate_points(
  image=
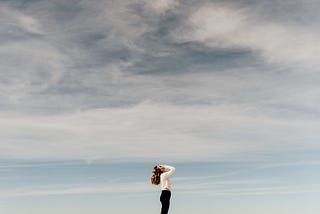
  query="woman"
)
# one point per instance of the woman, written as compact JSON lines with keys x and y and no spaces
{"x":161,"y":176}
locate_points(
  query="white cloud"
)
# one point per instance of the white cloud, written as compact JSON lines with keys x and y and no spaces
{"x":293,"y":164}
{"x":29,"y":67}
{"x":161,"y":6}
{"x":29,"y":63}
{"x":80,"y":189}
{"x":15,"y":22}
{"x":63,"y":68}
{"x":153,"y":132}
{"x":224,"y":26}
{"x":210,"y":22}
{"x":30,"y":24}
{"x":234,"y":187}
{"x":284,"y":190}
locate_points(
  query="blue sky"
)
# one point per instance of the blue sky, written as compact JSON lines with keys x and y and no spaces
{"x":94,"y":93}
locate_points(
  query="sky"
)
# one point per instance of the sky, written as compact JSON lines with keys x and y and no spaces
{"x":94,"y":93}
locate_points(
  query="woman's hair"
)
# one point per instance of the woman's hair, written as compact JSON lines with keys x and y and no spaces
{"x":155,"y":176}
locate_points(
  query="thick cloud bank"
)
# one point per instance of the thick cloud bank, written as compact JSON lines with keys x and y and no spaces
{"x":184,"y":80}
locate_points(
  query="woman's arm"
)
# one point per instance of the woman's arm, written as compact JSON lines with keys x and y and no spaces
{"x":171,"y":170}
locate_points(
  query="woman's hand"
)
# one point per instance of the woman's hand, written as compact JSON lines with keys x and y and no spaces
{"x":161,"y":166}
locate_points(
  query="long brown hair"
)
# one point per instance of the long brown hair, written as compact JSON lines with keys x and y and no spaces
{"x":155,"y":176}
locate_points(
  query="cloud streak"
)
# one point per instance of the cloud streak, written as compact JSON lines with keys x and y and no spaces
{"x":136,"y":133}
{"x":234,"y":187}
{"x":94,"y":189}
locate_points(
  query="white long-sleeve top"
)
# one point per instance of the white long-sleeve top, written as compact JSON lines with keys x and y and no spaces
{"x":164,"y":177}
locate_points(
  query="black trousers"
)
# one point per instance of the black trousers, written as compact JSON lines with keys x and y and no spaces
{"x":165,"y":201}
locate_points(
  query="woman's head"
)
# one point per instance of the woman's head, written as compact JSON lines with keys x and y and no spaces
{"x":161,"y":167}
{"x":156,"y":172}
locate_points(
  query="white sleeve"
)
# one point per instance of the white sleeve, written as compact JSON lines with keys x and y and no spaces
{"x":170,"y":172}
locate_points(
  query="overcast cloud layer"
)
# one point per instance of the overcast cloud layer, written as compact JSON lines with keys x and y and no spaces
{"x":138,"y":79}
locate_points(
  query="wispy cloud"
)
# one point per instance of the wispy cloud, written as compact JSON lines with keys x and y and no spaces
{"x":293,"y":164}
{"x":137,"y":132}
{"x":259,"y":191}
{"x":162,"y":6}
{"x":232,"y":187}
{"x":226,"y":25}
{"x":36,"y":165}
{"x":93,"y":189}
{"x":212,"y":185}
